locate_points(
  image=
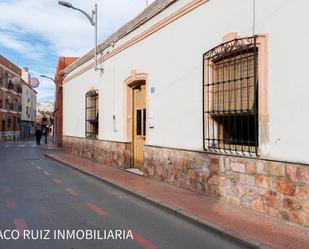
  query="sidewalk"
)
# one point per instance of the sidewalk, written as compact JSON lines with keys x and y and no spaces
{"x":50,"y":145}
{"x":243,"y":225}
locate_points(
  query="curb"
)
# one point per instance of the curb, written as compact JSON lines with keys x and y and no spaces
{"x":195,"y":220}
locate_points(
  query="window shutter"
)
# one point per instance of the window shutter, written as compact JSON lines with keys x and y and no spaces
{"x":233,"y":88}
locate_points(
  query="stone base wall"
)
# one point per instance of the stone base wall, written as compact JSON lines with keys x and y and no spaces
{"x":272,"y":188}
{"x":109,"y":153}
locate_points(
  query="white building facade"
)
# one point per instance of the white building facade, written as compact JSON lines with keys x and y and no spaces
{"x":28,"y":106}
{"x":209,"y":96}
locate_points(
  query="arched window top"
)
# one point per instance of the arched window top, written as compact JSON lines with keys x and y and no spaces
{"x":92,"y":93}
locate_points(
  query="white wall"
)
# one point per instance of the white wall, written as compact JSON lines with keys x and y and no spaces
{"x":172,"y":57}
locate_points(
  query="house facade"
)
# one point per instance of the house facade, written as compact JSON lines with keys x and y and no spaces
{"x":28,"y":106}
{"x":10,"y":100}
{"x":63,"y":62}
{"x":209,"y":96}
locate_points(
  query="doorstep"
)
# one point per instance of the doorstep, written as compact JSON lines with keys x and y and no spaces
{"x":135,"y":171}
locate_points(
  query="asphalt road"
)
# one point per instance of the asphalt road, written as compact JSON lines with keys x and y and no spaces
{"x":42,"y":197}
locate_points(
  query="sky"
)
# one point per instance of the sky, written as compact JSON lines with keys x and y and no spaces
{"x":34,"y":33}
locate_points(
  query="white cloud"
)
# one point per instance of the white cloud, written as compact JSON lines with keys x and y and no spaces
{"x":68,"y":32}
{"x":41,"y":30}
{"x":23,"y":47}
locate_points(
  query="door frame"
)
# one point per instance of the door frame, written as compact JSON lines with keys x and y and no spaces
{"x":135,"y":79}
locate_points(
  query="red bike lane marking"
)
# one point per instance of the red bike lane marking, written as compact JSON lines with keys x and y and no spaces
{"x":71,"y":191}
{"x":57,"y":181}
{"x":142,"y":241}
{"x":20,"y":224}
{"x":11,"y":204}
{"x":96,"y":209}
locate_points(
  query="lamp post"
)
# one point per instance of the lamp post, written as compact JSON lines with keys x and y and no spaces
{"x":44,"y":76}
{"x":93,"y":19}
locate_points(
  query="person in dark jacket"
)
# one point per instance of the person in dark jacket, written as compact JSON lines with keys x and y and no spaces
{"x":45,"y":135}
{"x":38,"y":135}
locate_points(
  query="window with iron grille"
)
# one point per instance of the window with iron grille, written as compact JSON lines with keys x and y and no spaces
{"x":230,"y":109}
{"x":92,"y":114}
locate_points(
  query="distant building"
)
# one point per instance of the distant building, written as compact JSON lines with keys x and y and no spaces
{"x":44,"y":115}
{"x":63,"y":62}
{"x":10,"y":100}
{"x":28,"y":115}
{"x":45,"y":106}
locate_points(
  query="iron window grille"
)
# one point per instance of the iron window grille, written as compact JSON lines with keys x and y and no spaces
{"x":230,"y":97}
{"x":92,"y":114}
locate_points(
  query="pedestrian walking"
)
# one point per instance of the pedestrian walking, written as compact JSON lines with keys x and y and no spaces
{"x":45,"y":135}
{"x":38,"y":135}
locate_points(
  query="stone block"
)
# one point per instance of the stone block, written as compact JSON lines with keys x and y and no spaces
{"x":250,"y":168}
{"x":306,"y":207}
{"x":271,"y":211}
{"x":297,"y":216}
{"x":234,"y":189}
{"x":200,"y":188}
{"x":234,"y":200}
{"x":302,"y":192}
{"x":221,"y":164}
{"x":246,"y":179}
{"x":285,"y":186}
{"x":264,"y":181}
{"x":214,"y":180}
{"x":238,"y":167}
{"x":271,"y":199}
{"x":303,"y":175}
{"x":250,"y":195}
{"x":276,"y":169}
{"x":257,"y":205}
{"x":290,"y":203}
{"x":227,"y":163}
{"x":221,"y":180}
{"x":292,"y":172}
{"x":260,"y":168}
{"x":191,"y":174}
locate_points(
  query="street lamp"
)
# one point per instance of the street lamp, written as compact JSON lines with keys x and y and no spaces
{"x":44,"y":76}
{"x":93,"y":19}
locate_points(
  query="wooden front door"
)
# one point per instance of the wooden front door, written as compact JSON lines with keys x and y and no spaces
{"x":139,"y":125}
